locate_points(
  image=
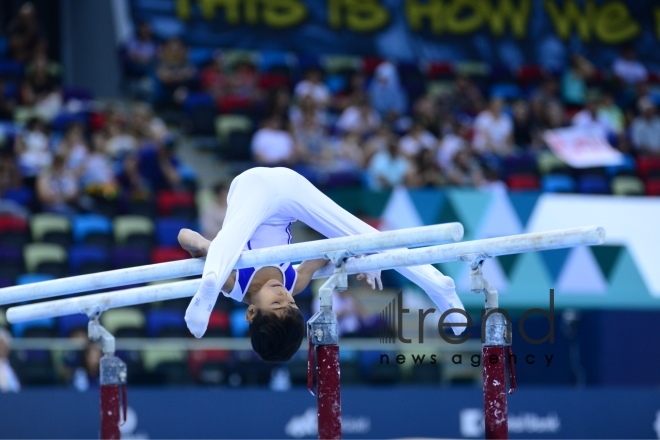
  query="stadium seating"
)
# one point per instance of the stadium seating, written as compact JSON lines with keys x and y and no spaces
{"x":12,"y":262}
{"x":166,"y":323}
{"x":51,"y":228}
{"x":124,"y":322}
{"x":92,"y":229}
{"x":45,"y":258}
{"x":133,"y":230}
{"x":627,"y":185}
{"x":14,"y":231}
{"x":163,"y":254}
{"x":85,"y":259}
{"x":558,"y":183}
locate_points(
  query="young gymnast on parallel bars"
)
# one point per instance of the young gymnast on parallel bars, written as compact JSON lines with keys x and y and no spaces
{"x":261,"y":206}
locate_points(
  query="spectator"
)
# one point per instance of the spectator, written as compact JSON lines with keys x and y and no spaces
{"x":525,"y":133}
{"x":547,"y":94}
{"x":273,"y":145}
{"x":611,"y":114}
{"x":10,"y":175}
{"x":425,"y":112}
{"x":386,"y":94}
{"x":7,"y":103}
{"x":553,"y":117}
{"x":351,"y":94}
{"x":213,"y":214}
{"x":312,"y":85}
{"x":213,"y":78}
{"x":416,"y":140}
{"x":353,"y":320}
{"x":388,"y":168}
{"x":627,"y":69}
{"x":453,"y":141}
{"x":141,"y":51}
{"x":645,"y":130}
{"x":465,"y":170}
{"x":278,"y":103}
{"x":174,"y":72}
{"x":86,"y":376}
{"x":308,"y":126}
{"x":574,"y":80}
{"x":158,"y":166}
{"x":33,"y":149}
{"x":118,"y":142}
{"x":9,"y":382}
{"x":74,"y":148}
{"x":493,"y":130}
{"x":41,"y":88}
{"x":465,"y":97}
{"x":360,"y":118}
{"x":244,"y":82}
{"x":98,"y":176}
{"x":349,"y":151}
{"x":589,"y":119}
{"x":425,"y":171}
{"x":57,"y":188}
{"x":23,"y":34}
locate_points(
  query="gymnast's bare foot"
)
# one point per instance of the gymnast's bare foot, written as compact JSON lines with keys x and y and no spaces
{"x":194,"y":243}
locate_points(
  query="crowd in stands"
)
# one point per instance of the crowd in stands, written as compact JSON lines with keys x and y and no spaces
{"x":110,"y":174}
{"x":349,"y":120}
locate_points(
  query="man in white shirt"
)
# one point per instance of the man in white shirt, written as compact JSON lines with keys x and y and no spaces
{"x":628,"y":69}
{"x":416,"y":140}
{"x":590,"y":119}
{"x":272,"y":144}
{"x":312,"y":85}
{"x":493,"y":130}
{"x":645,"y":129}
{"x":9,"y":382}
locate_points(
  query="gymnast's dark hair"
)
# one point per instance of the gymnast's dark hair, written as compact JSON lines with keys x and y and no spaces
{"x":276,"y":338}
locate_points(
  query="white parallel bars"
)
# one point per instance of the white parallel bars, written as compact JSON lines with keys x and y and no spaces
{"x":471,"y":250}
{"x":362,"y":244}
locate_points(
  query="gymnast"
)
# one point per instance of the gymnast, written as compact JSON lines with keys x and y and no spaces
{"x":262,"y":203}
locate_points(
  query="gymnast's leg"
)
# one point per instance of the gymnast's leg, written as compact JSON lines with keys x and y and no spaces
{"x":306,"y":203}
{"x":251,"y":200}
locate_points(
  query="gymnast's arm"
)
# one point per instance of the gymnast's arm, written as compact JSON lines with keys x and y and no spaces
{"x":305,"y":272}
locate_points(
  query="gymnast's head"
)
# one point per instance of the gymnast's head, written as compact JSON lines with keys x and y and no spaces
{"x":276,"y":327}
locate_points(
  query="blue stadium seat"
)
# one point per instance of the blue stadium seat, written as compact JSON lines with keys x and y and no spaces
{"x":271,"y":59}
{"x":196,"y":100}
{"x":593,"y":185}
{"x":505,"y":91}
{"x":86,"y":224}
{"x":238,"y":324}
{"x":67,"y":324}
{"x":84,"y":256}
{"x":29,"y":278}
{"x":558,"y":183}
{"x":628,"y":164}
{"x":19,"y":329}
{"x":167,"y":230}
{"x":165,"y":323}
{"x":200,"y":55}
{"x":22,"y":196}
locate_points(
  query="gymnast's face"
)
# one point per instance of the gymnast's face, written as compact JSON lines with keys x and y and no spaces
{"x":271,"y":298}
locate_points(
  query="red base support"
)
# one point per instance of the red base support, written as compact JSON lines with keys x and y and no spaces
{"x":110,"y":412}
{"x":328,"y":392}
{"x":495,"y":404}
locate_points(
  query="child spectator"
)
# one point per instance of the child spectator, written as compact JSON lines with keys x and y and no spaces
{"x":57,"y":188}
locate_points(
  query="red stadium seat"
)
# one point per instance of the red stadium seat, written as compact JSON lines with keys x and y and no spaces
{"x":369,"y":65}
{"x":648,"y":165}
{"x":653,"y":187}
{"x":530,"y":74}
{"x":440,"y":70}
{"x":164,"y":254}
{"x":168,"y":201}
{"x":523,"y":182}
{"x":271,"y":81}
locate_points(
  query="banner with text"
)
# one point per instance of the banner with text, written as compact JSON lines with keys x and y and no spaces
{"x":499,"y":32}
{"x":582,"y":148}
